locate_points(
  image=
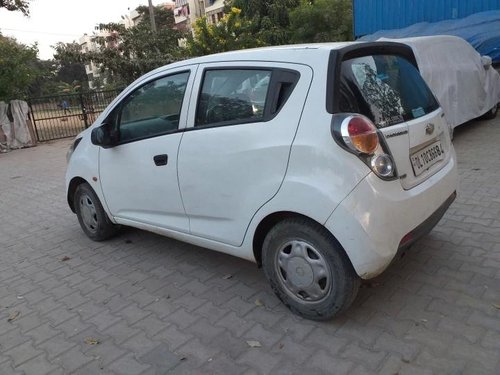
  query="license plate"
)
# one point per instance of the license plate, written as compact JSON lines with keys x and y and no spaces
{"x":423,"y":159}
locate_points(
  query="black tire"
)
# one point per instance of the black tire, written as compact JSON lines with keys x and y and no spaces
{"x":91,"y":216}
{"x":336,"y":291}
{"x":491,"y":114}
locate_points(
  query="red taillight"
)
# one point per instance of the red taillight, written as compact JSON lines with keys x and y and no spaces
{"x":362,"y":134}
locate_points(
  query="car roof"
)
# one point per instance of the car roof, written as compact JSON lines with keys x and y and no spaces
{"x":295,"y":53}
{"x":273,"y":53}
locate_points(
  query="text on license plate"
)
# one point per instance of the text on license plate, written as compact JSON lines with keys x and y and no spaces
{"x":426,"y":157}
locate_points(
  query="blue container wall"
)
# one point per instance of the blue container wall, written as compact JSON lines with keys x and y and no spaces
{"x":375,"y":15}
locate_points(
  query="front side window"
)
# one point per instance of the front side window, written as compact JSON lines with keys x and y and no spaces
{"x":153,"y":109}
{"x":386,"y":88}
{"x":232,"y":96}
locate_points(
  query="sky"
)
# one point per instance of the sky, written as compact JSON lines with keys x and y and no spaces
{"x":53,"y":21}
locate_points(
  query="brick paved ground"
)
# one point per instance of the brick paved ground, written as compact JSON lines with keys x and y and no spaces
{"x":155,"y":304}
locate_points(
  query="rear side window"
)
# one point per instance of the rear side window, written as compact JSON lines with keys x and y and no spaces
{"x":233,"y":96}
{"x":386,"y":88}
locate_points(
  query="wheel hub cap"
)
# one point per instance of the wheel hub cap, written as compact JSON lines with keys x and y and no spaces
{"x":303,"y":271}
{"x":89,"y":214}
{"x":299,"y":272}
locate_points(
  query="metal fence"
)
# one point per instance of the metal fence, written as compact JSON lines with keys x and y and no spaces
{"x":66,"y":115}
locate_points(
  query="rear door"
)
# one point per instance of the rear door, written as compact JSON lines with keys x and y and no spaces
{"x":234,"y":153}
{"x":389,"y":90}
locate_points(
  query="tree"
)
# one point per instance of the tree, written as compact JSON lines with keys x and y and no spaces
{"x":46,"y":81}
{"x":16,"y":5}
{"x":321,"y":21}
{"x":18,"y":68}
{"x":69,"y":88}
{"x":230,"y":33}
{"x":270,"y":19}
{"x":125,"y":54}
{"x":69,"y":71}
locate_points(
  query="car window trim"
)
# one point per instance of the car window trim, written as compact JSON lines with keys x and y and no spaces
{"x":119,"y":107}
{"x":267,"y":116}
{"x":359,"y":50}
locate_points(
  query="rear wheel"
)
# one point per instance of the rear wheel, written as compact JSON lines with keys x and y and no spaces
{"x":491,"y":114}
{"x":91,"y":215}
{"x":308,"y":270}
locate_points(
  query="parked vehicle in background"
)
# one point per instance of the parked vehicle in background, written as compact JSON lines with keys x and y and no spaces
{"x":317,"y":162}
{"x":464,"y":82}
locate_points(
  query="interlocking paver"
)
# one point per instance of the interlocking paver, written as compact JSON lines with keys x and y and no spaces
{"x":140,"y":344}
{"x":162,"y":358}
{"x":173,"y":336}
{"x":22,"y":353}
{"x":128,"y":365}
{"x":323,"y":361}
{"x":42,"y":333}
{"x":292,"y":351}
{"x":159,"y":305}
{"x":38,"y":366}
{"x":259,"y":359}
{"x":56,"y":346}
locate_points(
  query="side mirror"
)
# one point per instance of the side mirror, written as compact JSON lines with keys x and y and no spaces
{"x":486,"y":61}
{"x":101,"y":136}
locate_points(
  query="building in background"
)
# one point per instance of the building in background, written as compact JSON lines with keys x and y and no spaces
{"x":186,"y":12}
{"x":95,"y":77}
{"x":87,"y":44}
{"x":131,"y":19}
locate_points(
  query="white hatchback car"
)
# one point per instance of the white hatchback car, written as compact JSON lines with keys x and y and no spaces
{"x":343,"y":159}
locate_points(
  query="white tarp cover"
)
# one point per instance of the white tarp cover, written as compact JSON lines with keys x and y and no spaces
{"x":454,"y":72}
{"x":16,"y":132}
{"x":5,"y":126}
{"x":21,"y":136}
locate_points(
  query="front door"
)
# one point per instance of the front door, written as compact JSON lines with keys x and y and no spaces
{"x":139,"y":175}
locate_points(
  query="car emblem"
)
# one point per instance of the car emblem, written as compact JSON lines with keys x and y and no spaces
{"x":429,"y":129}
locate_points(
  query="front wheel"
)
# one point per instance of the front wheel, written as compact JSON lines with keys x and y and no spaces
{"x":91,"y":215}
{"x":308,"y":270}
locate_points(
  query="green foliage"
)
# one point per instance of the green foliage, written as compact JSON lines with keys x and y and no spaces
{"x":321,"y":21}
{"x":45,"y":83}
{"x":69,"y":88}
{"x":126,"y":54}
{"x":232,"y":32}
{"x":269,"y":19}
{"x":18,"y":69}
{"x":69,"y":71}
{"x":16,"y":5}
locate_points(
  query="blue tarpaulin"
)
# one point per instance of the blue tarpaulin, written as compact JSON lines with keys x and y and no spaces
{"x":481,"y":30}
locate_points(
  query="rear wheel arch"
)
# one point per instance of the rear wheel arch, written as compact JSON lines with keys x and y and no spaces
{"x":271,"y":220}
{"x":308,"y":269}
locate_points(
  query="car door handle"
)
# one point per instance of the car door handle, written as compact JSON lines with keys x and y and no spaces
{"x":161,"y":159}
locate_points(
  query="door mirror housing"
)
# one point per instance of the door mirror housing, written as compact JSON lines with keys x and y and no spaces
{"x":102,"y":136}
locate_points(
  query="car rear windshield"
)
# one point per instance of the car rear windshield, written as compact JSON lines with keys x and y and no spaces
{"x":386,"y":88}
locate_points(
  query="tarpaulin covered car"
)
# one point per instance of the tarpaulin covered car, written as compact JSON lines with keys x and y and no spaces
{"x":464,"y":82}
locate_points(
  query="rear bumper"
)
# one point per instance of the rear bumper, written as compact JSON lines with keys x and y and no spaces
{"x":373,"y":219}
{"x":424,"y":228}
